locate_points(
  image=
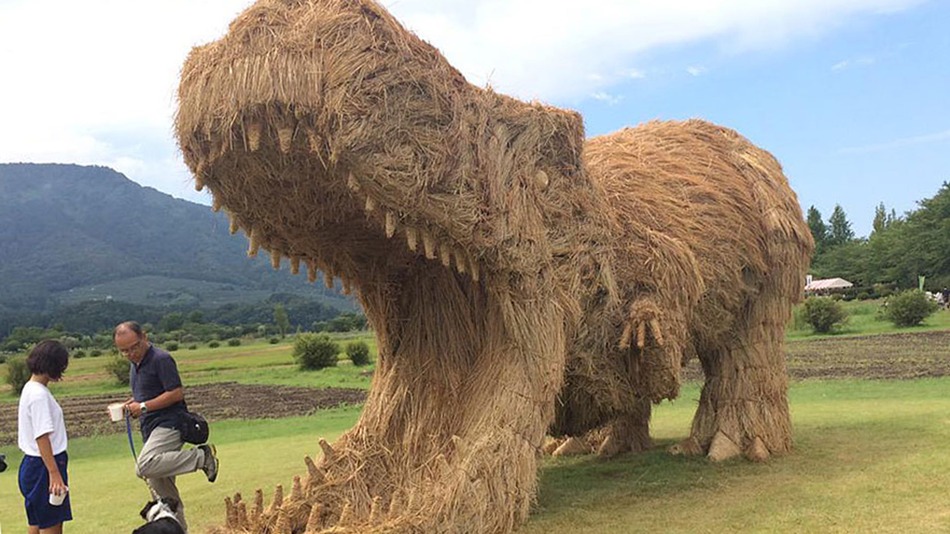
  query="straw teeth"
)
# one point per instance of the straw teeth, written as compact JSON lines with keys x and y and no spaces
{"x":390,"y":224}
{"x":275,"y":260}
{"x":311,"y":272}
{"x":429,"y":245}
{"x":375,"y":510}
{"x":352,"y":183}
{"x":328,"y":451}
{"x":313,"y":521}
{"x":285,"y":136}
{"x":215,"y":204}
{"x":297,"y":492}
{"x":253,"y":130}
{"x":412,"y":238}
{"x":234,"y":226}
{"x":346,"y":516}
{"x":474,"y":269}
{"x":445,"y":254}
{"x":254,"y":245}
{"x":295,"y":265}
{"x":370,"y":204}
{"x":328,"y":280}
{"x":278,"y":499}
{"x":258,"y":505}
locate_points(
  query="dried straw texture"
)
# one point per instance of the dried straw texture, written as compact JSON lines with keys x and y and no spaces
{"x":336,"y":139}
{"x":711,"y":253}
{"x":483,"y":251}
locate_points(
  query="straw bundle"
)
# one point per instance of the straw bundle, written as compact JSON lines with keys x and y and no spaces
{"x":483,"y":250}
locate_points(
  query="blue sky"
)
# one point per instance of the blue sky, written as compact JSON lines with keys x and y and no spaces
{"x":850,"y":95}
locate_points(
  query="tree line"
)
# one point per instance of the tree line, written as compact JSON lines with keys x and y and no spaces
{"x":92,"y":322}
{"x":898,"y":250}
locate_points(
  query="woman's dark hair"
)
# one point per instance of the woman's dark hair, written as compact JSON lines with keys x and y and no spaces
{"x":48,"y":357}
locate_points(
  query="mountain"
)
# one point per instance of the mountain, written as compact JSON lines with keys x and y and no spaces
{"x":71,"y":233}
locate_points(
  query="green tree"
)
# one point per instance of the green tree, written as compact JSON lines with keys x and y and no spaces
{"x":172,"y":321}
{"x":824,"y":314}
{"x":315,"y":351}
{"x":880,"y":219}
{"x":909,"y":308}
{"x":18,"y":374}
{"x":819,"y":231}
{"x":281,"y":319}
{"x":358,"y":352}
{"x":840,"y":231}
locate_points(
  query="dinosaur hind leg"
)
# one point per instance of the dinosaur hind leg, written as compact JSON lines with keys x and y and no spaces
{"x":743,"y":407}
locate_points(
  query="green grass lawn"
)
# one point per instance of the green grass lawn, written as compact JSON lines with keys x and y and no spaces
{"x":870,"y":456}
{"x":255,"y":362}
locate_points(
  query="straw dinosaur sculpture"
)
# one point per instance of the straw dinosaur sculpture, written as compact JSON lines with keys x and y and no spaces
{"x":520,"y":281}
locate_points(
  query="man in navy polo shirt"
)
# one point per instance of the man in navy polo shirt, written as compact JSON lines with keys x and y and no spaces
{"x":158,"y":400}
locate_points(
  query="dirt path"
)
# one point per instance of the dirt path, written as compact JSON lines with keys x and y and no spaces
{"x":86,"y":416}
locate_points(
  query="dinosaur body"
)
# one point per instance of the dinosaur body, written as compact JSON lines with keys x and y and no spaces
{"x":518,"y":279}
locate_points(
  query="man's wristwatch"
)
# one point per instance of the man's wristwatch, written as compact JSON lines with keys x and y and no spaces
{"x":143,"y":407}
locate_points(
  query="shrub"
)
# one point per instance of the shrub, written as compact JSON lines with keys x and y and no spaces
{"x":909,"y":308}
{"x":234,"y":342}
{"x":171,"y":346}
{"x":824,"y":314}
{"x":118,"y":366}
{"x":273,"y":341}
{"x":18,"y":374}
{"x":315,"y":351}
{"x":358,"y":352}
{"x":79,"y":353}
{"x":95,"y":352}
{"x":192,"y":347}
{"x":3,"y":358}
{"x":214,"y":344}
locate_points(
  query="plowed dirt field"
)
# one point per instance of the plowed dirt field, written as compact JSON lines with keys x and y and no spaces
{"x":86,"y":416}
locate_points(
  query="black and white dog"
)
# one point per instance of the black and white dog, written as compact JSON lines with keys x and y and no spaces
{"x":160,"y":517}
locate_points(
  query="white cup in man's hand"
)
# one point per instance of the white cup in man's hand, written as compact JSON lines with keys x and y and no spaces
{"x":57,"y":500}
{"x":117,"y":411}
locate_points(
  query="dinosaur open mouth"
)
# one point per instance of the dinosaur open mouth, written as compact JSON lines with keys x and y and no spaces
{"x":319,"y":219}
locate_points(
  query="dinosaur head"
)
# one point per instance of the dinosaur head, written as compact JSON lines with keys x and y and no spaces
{"x":335,"y":138}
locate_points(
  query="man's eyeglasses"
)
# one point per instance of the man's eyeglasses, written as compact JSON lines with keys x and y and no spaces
{"x":131,"y":348}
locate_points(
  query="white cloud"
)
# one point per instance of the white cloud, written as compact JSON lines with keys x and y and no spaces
{"x":607,"y":98}
{"x":695,"y":71}
{"x":94,"y":81}
{"x":537,"y":48}
{"x":863,"y":61}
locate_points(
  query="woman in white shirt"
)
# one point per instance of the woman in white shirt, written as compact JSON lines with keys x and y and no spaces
{"x":41,"y":435}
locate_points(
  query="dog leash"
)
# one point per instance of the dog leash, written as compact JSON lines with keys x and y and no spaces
{"x":128,"y":432}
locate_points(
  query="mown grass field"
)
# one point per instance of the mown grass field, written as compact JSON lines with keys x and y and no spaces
{"x":870,"y":454}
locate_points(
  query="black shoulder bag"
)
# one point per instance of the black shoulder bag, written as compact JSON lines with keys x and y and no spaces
{"x":193,"y":427}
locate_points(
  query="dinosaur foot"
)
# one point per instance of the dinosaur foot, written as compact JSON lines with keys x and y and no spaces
{"x":354,"y":491}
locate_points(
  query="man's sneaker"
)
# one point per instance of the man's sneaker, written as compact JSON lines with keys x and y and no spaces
{"x":211,"y":462}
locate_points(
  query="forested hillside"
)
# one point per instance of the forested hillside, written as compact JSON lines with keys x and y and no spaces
{"x":72,"y":233}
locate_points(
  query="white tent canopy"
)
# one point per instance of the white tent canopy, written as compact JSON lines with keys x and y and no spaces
{"x":827,"y":284}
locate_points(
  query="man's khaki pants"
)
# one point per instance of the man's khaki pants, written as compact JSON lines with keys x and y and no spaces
{"x":162,"y":459}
